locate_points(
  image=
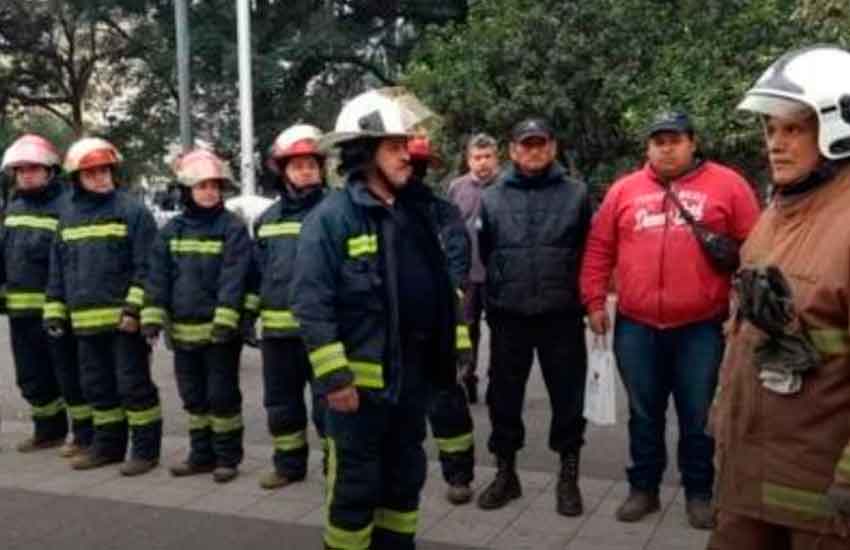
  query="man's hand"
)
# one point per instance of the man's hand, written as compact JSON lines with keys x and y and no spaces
{"x":344,"y":400}
{"x":128,"y":323}
{"x":599,"y":321}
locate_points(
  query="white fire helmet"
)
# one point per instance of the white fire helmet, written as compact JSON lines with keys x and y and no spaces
{"x":30,"y":149}
{"x":91,"y":152}
{"x":200,"y":164}
{"x":385,"y":112}
{"x":297,"y":140}
{"x":816,"y":80}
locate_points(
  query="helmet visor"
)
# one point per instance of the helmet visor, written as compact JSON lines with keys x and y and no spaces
{"x":774,"y":105}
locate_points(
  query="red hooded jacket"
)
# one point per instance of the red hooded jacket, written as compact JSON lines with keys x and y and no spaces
{"x":664,"y":279}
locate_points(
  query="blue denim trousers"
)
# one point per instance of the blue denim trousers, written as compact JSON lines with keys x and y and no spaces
{"x":655,"y":363}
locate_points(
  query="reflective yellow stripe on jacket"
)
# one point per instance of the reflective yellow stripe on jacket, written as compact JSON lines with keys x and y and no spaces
{"x":95,"y":318}
{"x":95,"y":231}
{"x":279,"y":229}
{"x":29,"y":221}
{"x":278,"y":319}
{"x":55,"y":310}
{"x":831,"y":341}
{"x":226,"y":316}
{"x":153,"y":316}
{"x":328,"y":358}
{"x":19,"y":301}
{"x":194,"y":246}
{"x":191,"y":333}
{"x":800,"y":502}
{"x":362,"y":245}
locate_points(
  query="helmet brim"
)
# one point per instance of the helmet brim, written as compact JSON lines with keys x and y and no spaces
{"x":336,"y":139}
{"x":774,"y":105}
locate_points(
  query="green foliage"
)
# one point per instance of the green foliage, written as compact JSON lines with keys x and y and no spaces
{"x":599,"y":70}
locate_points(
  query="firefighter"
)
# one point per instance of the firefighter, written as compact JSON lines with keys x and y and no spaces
{"x":296,"y":161}
{"x":197,"y":277}
{"x":783,"y":404}
{"x":373,"y":296}
{"x":98,"y":265}
{"x":448,"y":413}
{"x":50,"y":383}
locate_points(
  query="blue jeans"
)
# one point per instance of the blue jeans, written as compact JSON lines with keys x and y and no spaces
{"x":654,"y":363}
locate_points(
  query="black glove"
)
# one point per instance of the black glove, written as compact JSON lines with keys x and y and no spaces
{"x":55,"y":328}
{"x":249,"y":332}
{"x":222,"y":334}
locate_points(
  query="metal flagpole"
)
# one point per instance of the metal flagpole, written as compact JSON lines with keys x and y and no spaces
{"x":181,"y":23}
{"x":246,"y":113}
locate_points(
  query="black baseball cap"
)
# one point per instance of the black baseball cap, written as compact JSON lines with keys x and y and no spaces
{"x":670,"y":121}
{"x":532,"y":127}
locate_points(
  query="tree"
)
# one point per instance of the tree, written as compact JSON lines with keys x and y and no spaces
{"x":53,"y":54}
{"x":599,"y":70}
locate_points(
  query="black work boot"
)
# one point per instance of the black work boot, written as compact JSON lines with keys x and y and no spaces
{"x":567,"y":493}
{"x":504,"y":488}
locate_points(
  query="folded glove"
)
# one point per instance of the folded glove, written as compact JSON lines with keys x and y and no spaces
{"x":839,"y":498}
{"x":55,"y":328}
{"x":221,"y":334}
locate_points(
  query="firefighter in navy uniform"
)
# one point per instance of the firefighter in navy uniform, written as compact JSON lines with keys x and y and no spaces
{"x":50,"y":383}
{"x":198,"y":271}
{"x":376,"y":307}
{"x":98,"y":265}
{"x":448,"y":414}
{"x":296,"y":160}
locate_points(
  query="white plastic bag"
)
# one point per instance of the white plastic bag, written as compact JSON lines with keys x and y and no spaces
{"x":600,"y":389}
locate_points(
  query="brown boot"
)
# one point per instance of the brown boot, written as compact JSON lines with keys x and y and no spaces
{"x":31,"y":444}
{"x":223,"y":474}
{"x":273,"y":480}
{"x":138,"y":466}
{"x":459,"y":493}
{"x":89,"y":461}
{"x":71,"y":449}
{"x":184,"y":469}
{"x":700,"y":513}
{"x":638,"y":505}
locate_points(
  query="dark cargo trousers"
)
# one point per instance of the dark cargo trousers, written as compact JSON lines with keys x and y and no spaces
{"x":561,"y":350}
{"x":377,"y":465}
{"x":208,"y":384}
{"x":36,"y":376}
{"x":116,"y":380}
{"x":451,"y":425}
{"x":286,"y":373}
{"x":63,"y":352}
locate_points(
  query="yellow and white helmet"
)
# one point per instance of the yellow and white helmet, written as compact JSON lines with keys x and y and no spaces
{"x":91,"y":152}
{"x":816,"y":78}
{"x":385,"y":112}
{"x":297,"y":140}
{"x":199,"y":165}
{"x":30,"y":149}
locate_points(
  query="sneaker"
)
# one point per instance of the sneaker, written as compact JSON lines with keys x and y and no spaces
{"x":700,"y":513}
{"x":638,"y":505}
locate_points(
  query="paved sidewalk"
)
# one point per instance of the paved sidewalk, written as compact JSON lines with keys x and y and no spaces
{"x":43,"y":502}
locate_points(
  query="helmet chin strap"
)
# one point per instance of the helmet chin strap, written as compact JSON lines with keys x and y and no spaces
{"x":819,"y":176}
{"x":380,"y":185}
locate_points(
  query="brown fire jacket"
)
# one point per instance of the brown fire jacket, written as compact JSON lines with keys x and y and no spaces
{"x":778,"y":454}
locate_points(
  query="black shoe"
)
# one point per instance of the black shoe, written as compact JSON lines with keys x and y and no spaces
{"x":567,"y":493}
{"x":503,"y":489}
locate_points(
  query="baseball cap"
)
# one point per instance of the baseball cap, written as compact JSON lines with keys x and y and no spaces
{"x":532,"y":127}
{"x":670,"y":121}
